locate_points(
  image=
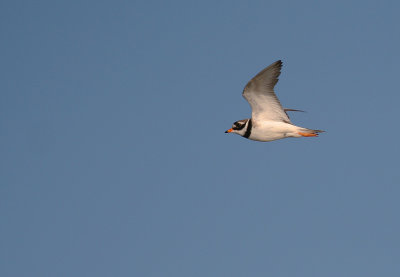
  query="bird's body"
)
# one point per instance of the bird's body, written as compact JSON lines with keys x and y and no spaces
{"x":271,"y":130}
{"x":269,"y":120}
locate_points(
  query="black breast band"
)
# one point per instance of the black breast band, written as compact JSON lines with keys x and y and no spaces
{"x":248,"y":130}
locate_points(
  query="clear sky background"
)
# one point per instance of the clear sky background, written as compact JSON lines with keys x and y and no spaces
{"x":114,"y":160}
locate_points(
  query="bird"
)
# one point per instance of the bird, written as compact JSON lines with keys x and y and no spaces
{"x":269,"y":121}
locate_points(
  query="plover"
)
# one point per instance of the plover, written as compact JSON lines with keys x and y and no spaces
{"x":269,"y":121}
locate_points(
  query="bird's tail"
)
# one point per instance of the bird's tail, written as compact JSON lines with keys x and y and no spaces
{"x":309,"y":132}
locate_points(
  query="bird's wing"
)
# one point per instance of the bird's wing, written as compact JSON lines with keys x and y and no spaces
{"x":259,"y":92}
{"x":292,"y":110}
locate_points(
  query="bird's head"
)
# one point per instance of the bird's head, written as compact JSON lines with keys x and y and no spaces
{"x":238,"y":127}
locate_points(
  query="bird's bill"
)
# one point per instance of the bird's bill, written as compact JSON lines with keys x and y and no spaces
{"x":228,"y":131}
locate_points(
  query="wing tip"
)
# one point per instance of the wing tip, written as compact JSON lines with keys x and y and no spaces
{"x":278,"y":65}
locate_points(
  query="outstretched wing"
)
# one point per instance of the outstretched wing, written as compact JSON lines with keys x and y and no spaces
{"x":259,"y":92}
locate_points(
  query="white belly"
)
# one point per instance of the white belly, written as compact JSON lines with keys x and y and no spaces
{"x":272,"y":130}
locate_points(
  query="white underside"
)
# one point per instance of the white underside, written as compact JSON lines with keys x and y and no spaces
{"x":273,"y":130}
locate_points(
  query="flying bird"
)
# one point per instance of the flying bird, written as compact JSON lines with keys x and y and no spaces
{"x":269,"y":121}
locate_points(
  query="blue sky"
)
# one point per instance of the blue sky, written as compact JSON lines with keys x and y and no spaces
{"x":114,"y":160}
